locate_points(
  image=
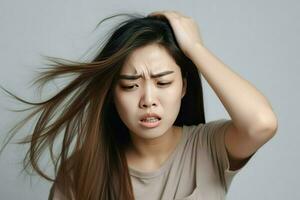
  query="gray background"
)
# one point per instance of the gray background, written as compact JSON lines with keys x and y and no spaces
{"x":257,"y":39}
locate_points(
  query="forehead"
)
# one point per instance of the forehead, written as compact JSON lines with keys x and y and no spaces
{"x":150,"y":59}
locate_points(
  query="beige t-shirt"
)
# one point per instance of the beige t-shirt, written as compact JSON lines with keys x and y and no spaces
{"x":191,"y":171}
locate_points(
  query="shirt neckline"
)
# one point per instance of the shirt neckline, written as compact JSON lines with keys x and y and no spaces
{"x":164,"y":166}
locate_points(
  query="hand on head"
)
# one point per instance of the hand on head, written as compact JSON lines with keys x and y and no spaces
{"x":185,"y":29}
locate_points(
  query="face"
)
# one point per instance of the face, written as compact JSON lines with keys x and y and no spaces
{"x":138,"y":92}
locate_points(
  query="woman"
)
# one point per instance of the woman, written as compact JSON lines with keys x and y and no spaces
{"x":135,"y":118}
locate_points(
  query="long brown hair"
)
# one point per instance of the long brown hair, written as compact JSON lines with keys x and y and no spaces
{"x":90,"y":163}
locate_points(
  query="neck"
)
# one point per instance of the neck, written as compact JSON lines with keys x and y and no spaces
{"x":157,"y":148}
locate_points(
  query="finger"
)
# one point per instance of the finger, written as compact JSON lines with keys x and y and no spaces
{"x":155,"y":13}
{"x":164,"y":12}
{"x":168,"y":14}
{"x":175,"y":13}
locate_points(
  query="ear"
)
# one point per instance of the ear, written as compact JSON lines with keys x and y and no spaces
{"x":184,"y":85}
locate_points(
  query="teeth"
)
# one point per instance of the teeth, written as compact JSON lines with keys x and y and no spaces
{"x":151,"y":119}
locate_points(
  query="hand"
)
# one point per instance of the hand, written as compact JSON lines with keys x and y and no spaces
{"x":185,"y":30}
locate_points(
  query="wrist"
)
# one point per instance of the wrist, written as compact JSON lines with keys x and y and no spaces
{"x":194,"y":50}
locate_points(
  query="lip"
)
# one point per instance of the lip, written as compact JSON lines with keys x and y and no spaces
{"x":150,"y":115}
{"x":149,"y":124}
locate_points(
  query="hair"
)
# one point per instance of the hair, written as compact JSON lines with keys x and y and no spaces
{"x":83,"y":113}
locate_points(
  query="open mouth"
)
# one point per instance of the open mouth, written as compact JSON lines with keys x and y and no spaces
{"x":151,"y":119}
{"x":150,"y":122}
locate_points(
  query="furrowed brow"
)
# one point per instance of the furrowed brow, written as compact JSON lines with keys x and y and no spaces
{"x":135,"y":77}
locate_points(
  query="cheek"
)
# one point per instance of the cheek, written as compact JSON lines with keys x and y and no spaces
{"x":124,"y":102}
{"x":172,"y":94}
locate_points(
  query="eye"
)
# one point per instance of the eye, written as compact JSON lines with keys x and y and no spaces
{"x":164,"y":83}
{"x":129,"y":87}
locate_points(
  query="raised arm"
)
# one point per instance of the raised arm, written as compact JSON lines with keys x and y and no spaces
{"x":253,"y":120}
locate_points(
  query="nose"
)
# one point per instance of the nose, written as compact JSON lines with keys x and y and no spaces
{"x":148,"y":98}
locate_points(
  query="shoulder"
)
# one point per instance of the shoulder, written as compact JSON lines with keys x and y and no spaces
{"x":207,"y":135}
{"x":206,"y":130}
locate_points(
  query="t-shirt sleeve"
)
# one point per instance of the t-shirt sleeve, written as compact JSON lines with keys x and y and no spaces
{"x":213,"y":134}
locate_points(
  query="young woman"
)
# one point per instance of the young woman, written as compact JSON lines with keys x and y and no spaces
{"x":133,"y":126}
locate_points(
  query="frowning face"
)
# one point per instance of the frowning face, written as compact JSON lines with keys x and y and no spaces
{"x":150,"y":81}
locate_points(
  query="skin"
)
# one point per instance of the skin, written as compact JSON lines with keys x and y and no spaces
{"x":150,"y":146}
{"x":253,"y":121}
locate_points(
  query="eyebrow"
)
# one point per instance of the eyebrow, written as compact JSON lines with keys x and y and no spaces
{"x":134,"y":77}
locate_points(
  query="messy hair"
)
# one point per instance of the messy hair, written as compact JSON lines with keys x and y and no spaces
{"x":90,"y":163}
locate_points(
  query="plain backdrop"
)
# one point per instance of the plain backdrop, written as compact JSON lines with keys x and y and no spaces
{"x":257,"y":39}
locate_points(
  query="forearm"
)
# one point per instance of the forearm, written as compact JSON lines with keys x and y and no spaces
{"x":247,"y":107}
